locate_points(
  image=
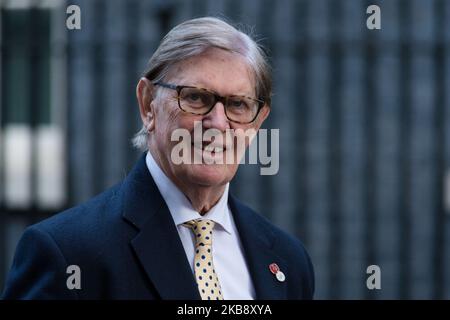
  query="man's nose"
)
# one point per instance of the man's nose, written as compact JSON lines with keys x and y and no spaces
{"x":216,"y":118}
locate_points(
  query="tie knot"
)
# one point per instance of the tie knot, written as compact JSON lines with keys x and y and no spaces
{"x":202,"y":229}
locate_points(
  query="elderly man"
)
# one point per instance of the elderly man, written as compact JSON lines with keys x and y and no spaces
{"x":171,"y":230}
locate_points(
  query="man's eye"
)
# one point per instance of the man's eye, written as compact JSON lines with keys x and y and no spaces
{"x":194,"y":97}
{"x":197,"y":98}
{"x":238,"y":104}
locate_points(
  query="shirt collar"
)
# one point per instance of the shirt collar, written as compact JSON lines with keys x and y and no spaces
{"x":179,"y":206}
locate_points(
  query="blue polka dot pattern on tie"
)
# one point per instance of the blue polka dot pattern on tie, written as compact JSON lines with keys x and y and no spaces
{"x":203,"y":260}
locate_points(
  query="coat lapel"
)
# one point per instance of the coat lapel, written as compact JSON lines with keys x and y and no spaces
{"x":257,"y":241}
{"x":157,"y":245}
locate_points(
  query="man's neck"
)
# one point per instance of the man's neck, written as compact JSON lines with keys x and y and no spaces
{"x":202,"y":198}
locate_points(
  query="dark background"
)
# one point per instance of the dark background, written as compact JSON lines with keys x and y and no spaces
{"x":364,"y":119}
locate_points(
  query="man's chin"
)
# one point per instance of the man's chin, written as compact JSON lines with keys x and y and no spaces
{"x":209,"y":174}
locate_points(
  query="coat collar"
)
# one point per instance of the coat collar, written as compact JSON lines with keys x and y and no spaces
{"x":160,"y":252}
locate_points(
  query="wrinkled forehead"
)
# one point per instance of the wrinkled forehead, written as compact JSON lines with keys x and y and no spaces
{"x":222,"y":71}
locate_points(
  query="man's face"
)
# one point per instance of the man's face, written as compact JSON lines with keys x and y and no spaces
{"x":224,"y":73}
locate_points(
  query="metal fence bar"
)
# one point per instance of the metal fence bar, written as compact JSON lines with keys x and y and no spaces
{"x":386,"y":91}
{"x":353,"y":153}
{"x":444,"y":82}
{"x":114,"y":139}
{"x":81,"y":124}
{"x":318,"y":118}
{"x":334,"y":161}
{"x":300,"y":114}
{"x":438,"y":238}
{"x":405,"y":173}
{"x":423,"y":147}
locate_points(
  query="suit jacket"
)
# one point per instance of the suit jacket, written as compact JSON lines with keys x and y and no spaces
{"x":126,"y":245}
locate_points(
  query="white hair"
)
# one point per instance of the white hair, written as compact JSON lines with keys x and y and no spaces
{"x":192,"y":38}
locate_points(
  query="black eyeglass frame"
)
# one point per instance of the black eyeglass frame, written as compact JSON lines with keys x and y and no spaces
{"x":218,"y":98}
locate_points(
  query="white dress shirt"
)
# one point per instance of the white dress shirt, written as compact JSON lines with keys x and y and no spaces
{"x":228,"y":257}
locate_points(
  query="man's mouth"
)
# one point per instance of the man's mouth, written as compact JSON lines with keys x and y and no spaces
{"x":210,"y":147}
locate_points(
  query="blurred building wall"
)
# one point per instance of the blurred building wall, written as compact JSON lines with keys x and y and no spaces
{"x":364,"y":119}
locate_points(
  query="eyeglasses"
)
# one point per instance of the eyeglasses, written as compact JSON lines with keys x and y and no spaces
{"x":200,"y":101}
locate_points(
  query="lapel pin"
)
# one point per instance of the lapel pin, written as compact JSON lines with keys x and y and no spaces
{"x":275,"y":269}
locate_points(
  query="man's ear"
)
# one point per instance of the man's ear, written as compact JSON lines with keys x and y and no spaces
{"x":145,"y":95}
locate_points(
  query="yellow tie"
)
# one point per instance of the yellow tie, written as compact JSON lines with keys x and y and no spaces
{"x":205,"y":275}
